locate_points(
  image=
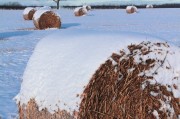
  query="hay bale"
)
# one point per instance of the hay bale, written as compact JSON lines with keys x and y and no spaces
{"x":44,"y":19}
{"x":80,"y":11}
{"x":31,"y":111}
{"x":149,"y":6}
{"x":132,"y":84}
{"x":28,"y":13}
{"x":88,"y":7}
{"x":131,"y":9}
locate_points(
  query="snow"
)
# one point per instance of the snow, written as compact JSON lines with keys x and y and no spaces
{"x":16,"y":46}
{"x":149,"y":6}
{"x":15,"y":34}
{"x":43,"y":8}
{"x":155,"y":113}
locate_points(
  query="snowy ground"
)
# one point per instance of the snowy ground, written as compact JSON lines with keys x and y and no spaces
{"x":17,"y":43}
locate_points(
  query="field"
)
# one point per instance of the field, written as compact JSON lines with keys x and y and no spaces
{"x":18,"y":39}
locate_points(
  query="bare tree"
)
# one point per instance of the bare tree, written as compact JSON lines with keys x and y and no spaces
{"x":57,"y":1}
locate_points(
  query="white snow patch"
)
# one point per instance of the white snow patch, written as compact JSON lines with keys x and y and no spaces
{"x":155,"y":113}
{"x":43,"y":8}
{"x":153,"y":93}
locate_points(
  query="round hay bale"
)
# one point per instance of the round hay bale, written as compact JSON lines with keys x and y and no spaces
{"x":139,"y":82}
{"x":131,"y":9}
{"x":44,"y":19}
{"x":88,"y":7}
{"x":149,"y":6}
{"x":80,"y":11}
{"x":28,"y":13}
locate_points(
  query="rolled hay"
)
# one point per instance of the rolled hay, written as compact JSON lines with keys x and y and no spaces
{"x":140,"y":82}
{"x":28,"y":13}
{"x":80,"y":11}
{"x":31,"y":111}
{"x":149,"y":6}
{"x":88,"y":7}
{"x":44,"y":19}
{"x":131,"y":9}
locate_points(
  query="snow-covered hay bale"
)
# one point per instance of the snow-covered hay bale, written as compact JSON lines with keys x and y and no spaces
{"x":62,"y":75}
{"x":88,"y":7}
{"x":131,"y":9}
{"x":149,"y":6}
{"x":28,"y":13}
{"x":44,"y":19}
{"x":142,"y":81}
{"x":80,"y":11}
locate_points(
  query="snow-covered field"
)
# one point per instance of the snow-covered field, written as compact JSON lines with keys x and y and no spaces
{"x":17,"y":41}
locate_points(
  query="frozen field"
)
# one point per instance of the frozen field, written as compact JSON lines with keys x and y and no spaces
{"x":17,"y":41}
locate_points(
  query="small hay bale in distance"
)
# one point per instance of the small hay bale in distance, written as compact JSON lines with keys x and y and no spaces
{"x":44,"y":19}
{"x":80,"y":11}
{"x":88,"y":7}
{"x":137,"y":82}
{"x":149,"y":6}
{"x":28,"y":13}
{"x":131,"y":9}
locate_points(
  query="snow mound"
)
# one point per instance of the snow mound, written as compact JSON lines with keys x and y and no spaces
{"x":63,"y":63}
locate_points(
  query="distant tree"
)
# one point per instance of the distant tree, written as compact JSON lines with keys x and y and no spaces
{"x":57,"y":1}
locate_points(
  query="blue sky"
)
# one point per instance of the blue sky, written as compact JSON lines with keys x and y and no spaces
{"x":80,"y":2}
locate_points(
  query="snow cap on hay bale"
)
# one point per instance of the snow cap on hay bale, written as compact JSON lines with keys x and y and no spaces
{"x":44,"y":19}
{"x":88,"y":7}
{"x":28,"y":13}
{"x":142,"y":81}
{"x":149,"y":6}
{"x":80,"y":11}
{"x":131,"y":9}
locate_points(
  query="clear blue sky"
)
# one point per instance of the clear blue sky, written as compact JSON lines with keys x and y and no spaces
{"x":78,"y":2}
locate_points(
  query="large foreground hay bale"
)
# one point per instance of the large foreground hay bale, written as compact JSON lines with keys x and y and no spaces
{"x":31,"y":111}
{"x":44,"y":19}
{"x":131,"y":9}
{"x":28,"y":13}
{"x":127,"y":85}
{"x":80,"y":11}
